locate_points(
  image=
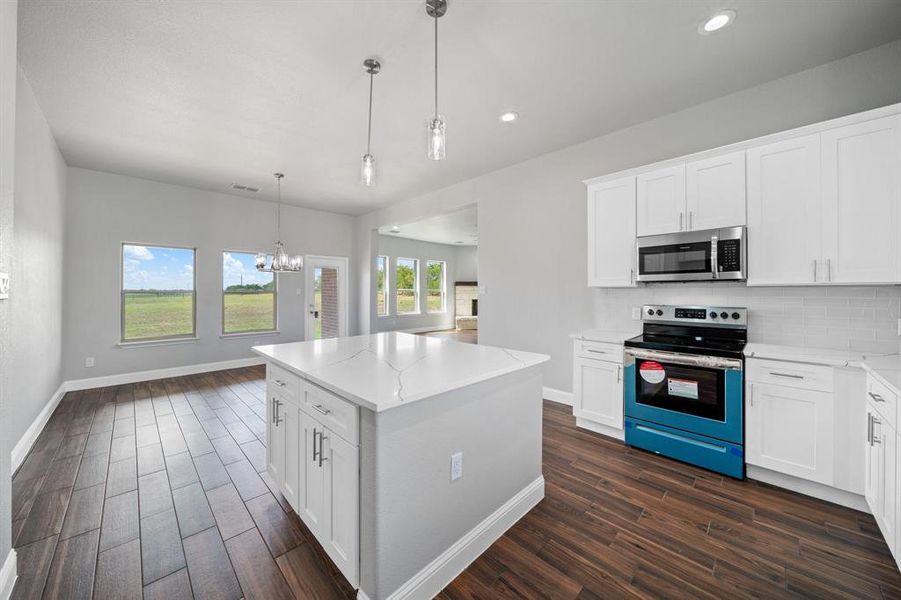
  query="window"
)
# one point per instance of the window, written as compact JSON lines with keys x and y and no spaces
{"x":158,"y":295}
{"x":381,"y":286}
{"x":249,"y":297}
{"x":435,"y":286}
{"x":407,"y":286}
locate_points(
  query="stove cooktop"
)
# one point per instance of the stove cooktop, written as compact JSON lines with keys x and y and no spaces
{"x":706,"y":330}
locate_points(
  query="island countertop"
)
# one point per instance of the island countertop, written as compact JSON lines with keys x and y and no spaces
{"x":386,"y":370}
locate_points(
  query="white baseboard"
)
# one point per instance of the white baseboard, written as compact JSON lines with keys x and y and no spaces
{"x":361,"y":595}
{"x":8,"y":575}
{"x":137,"y":376}
{"x":23,"y":446}
{"x":809,"y":488}
{"x":559,"y":396}
{"x":619,"y":434}
{"x":20,"y":450}
{"x":435,"y":576}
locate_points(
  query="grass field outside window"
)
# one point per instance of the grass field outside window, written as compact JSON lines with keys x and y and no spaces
{"x":158,"y":300}
{"x":249,"y":297}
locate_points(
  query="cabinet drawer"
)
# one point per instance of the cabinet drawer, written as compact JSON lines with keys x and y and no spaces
{"x":599,"y":351}
{"x":283,"y":382}
{"x":883,"y":400}
{"x":336,"y":413}
{"x":796,"y":375}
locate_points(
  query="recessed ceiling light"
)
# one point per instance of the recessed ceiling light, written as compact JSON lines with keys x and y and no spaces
{"x":509,"y":117}
{"x":717,"y":22}
{"x":395,"y":229}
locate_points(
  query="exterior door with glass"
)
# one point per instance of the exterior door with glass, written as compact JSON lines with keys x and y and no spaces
{"x":325,"y":297}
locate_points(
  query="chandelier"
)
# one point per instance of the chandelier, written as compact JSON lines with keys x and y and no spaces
{"x":282,"y":262}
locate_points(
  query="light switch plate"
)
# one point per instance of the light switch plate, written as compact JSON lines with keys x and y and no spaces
{"x":456,"y":466}
{"x":4,"y":286}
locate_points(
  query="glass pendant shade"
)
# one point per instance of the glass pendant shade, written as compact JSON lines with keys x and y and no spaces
{"x":367,"y":170}
{"x":437,"y":140}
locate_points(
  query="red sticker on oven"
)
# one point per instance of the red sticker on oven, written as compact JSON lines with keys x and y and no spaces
{"x":651,"y":371}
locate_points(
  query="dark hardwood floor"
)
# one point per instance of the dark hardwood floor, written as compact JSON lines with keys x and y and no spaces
{"x":158,"y":489}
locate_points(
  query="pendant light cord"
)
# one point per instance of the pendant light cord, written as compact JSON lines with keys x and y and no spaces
{"x":369,"y":130}
{"x":279,"y":220}
{"x":436,"y":60}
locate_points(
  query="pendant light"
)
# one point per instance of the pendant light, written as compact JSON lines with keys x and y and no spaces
{"x":367,"y":163}
{"x":282,"y":262}
{"x":437,"y":125}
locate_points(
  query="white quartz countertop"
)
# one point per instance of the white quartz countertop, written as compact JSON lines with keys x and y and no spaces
{"x":391,"y":369}
{"x":604,"y":335}
{"x":886,"y":367}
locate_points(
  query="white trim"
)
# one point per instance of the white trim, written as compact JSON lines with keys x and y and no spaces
{"x":244,"y":334}
{"x":435,"y":576}
{"x":809,"y":488}
{"x":342,"y":263}
{"x":613,"y":432}
{"x":23,"y":446}
{"x":361,"y":595}
{"x":8,"y":575}
{"x":558,"y":396}
{"x":157,"y":342}
{"x":138,"y":376}
{"x":868,"y":115}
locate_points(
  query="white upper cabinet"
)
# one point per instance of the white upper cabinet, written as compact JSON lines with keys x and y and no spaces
{"x":715,"y":192}
{"x":861,"y":197}
{"x":611,"y":233}
{"x":661,"y":201}
{"x":784,"y":212}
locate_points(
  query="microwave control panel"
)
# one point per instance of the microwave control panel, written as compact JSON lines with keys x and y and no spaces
{"x":729,"y":255}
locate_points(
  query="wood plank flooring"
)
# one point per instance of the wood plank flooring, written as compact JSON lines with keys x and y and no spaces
{"x":158,"y":490}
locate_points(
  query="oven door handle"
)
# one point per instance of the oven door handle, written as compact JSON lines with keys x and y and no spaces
{"x":693,"y":360}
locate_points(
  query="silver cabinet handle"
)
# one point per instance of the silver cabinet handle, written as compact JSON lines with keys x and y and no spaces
{"x":691,"y":214}
{"x":324,"y":411}
{"x":278,"y":412}
{"x":788,"y":375}
{"x":272,"y":408}
{"x":751,"y":394}
{"x":828,"y":269}
{"x":815,"y":270}
{"x":315,"y":433}
{"x":279,"y":382}
{"x":618,"y":373}
{"x":680,"y":221}
{"x":322,"y":457}
{"x":876,"y":397}
{"x":593,"y":351}
{"x":870,"y":429}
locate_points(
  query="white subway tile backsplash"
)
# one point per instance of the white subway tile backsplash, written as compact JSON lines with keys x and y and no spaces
{"x":855,"y":318}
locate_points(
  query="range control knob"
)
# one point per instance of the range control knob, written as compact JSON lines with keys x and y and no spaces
{"x":736,"y":316}
{"x":724,"y":315}
{"x":650,"y":312}
{"x":713,"y":315}
{"x":659,"y":313}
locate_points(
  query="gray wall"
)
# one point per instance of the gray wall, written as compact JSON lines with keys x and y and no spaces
{"x":7,"y":181}
{"x":37,"y":304}
{"x":532,"y":237}
{"x":106,"y":210}
{"x":467,"y":263}
{"x":394,"y":247}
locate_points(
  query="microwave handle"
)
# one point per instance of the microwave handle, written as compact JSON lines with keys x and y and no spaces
{"x":714,"y":267}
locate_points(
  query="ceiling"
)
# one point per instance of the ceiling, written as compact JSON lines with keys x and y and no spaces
{"x":460,"y":228}
{"x":207,"y":94}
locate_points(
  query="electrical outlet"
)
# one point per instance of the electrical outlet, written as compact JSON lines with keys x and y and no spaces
{"x":636,"y":313}
{"x":456,"y":466}
{"x":89,"y":362}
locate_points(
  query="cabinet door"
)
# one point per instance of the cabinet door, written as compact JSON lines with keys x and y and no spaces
{"x":861,"y":199}
{"x":887,"y":441}
{"x":275,"y":440}
{"x":290,"y":414}
{"x":873,"y":473}
{"x":611,"y":233}
{"x":784,"y":213}
{"x":661,"y":201}
{"x":598,"y":391}
{"x":791,"y":431}
{"x":342,"y":507}
{"x":715,"y":192}
{"x":312,"y":487}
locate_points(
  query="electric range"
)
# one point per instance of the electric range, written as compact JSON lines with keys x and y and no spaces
{"x":684,"y":385}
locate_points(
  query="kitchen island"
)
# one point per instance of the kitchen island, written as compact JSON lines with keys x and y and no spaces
{"x":406,"y":456}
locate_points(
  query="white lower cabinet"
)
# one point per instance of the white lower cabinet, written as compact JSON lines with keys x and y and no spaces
{"x":598,"y":385}
{"x":882,"y":478}
{"x":790,"y":430}
{"x":316,"y":469}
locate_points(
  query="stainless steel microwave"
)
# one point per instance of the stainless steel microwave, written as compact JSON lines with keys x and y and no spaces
{"x":708,"y":255}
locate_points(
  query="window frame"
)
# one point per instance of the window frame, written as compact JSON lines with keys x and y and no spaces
{"x":150,"y":340}
{"x":222,"y":294}
{"x":442,"y":289}
{"x":416,"y":291}
{"x":387,"y":286}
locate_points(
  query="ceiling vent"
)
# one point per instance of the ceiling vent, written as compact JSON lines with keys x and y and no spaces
{"x":245,"y":188}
